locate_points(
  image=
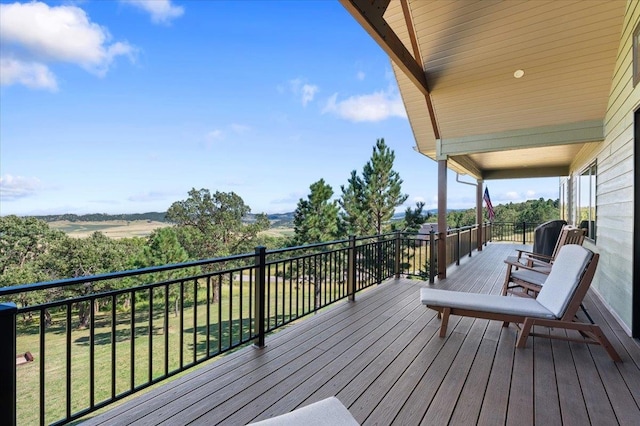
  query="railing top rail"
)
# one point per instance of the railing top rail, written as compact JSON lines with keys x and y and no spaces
{"x":6,"y":291}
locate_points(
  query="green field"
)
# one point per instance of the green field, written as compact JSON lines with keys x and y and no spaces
{"x":134,"y":228}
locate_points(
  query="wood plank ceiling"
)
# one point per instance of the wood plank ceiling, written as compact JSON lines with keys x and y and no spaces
{"x":486,"y":122}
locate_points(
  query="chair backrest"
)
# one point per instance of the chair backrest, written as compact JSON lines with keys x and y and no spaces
{"x":568,"y":235}
{"x":568,"y":281}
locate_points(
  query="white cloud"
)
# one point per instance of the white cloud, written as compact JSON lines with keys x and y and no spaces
{"x":240,"y":128}
{"x":360,"y":75}
{"x":306,"y":91}
{"x":512,"y":195}
{"x":161,"y":11}
{"x":531,"y":194}
{"x":31,"y":74}
{"x":149,"y":196}
{"x":36,"y":34}
{"x":214,"y":135}
{"x":377,"y":106}
{"x":17,"y":187}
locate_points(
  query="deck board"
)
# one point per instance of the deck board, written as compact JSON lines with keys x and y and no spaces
{"x":382,"y":357}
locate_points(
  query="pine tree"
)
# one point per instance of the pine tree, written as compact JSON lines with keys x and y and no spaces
{"x":369,"y":202}
{"x":316,"y":219}
{"x":354,"y":214}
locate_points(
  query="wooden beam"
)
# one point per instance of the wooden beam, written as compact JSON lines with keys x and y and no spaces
{"x":369,"y":14}
{"x":562,"y":134}
{"x":526,"y":172}
{"x":418,"y":57}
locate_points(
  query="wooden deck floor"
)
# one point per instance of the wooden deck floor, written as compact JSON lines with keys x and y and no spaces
{"x":382,"y":357}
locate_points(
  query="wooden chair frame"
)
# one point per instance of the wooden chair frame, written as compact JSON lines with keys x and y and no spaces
{"x":568,"y":235}
{"x":591,"y":333}
{"x":537,"y":263}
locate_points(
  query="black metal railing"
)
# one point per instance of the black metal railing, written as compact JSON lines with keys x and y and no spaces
{"x":97,"y":339}
{"x":519,"y":232}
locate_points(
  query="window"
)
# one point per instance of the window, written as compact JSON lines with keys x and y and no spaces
{"x":586,"y":212}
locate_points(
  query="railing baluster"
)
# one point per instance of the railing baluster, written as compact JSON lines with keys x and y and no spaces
{"x":68,"y":360}
{"x":132,"y":346}
{"x":230,"y":319}
{"x":181,"y":329}
{"x":92,"y":354}
{"x":113,"y":347}
{"x":219,"y":302}
{"x":195,"y":320}
{"x":166,"y":329}
{"x":150,"y":332}
{"x":208,"y":305}
{"x":42,"y":368}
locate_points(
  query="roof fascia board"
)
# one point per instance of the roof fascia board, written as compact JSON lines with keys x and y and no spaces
{"x":562,"y":134}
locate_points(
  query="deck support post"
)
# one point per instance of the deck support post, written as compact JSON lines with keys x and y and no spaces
{"x":8,"y":362}
{"x":442,"y":219}
{"x":260,"y":298}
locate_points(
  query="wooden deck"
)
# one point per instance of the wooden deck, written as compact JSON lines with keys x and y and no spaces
{"x":382,"y":357}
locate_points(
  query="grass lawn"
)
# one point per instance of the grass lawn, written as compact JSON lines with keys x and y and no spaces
{"x":123,"y":359}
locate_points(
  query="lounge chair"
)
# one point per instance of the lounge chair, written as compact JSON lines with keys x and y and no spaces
{"x":555,"y":306}
{"x":568,"y":235}
{"x":327,"y":412}
{"x":527,"y":271}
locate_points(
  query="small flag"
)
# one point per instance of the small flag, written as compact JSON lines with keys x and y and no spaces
{"x":487,"y":200}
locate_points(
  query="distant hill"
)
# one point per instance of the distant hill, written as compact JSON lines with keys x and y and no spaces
{"x":103,"y":217}
{"x":284,"y":220}
{"x":277,"y":219}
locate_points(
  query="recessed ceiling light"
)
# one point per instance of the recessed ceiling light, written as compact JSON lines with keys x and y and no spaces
{"x":518,"y":73}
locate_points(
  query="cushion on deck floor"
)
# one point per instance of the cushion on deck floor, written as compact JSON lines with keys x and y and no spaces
{"x":327,"y":412}
{"x":523,"y":306}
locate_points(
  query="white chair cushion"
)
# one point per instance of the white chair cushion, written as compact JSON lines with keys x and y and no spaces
{"x":564,"y":278}
{"x":523,"y":306}
{"x":327,"y":412}
{"x":529,"y":276}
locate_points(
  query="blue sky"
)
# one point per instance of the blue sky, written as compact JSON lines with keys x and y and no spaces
{"x":124,"y":106}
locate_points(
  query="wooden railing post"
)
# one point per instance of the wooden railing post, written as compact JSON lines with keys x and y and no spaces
{"x":458,"y":246}
{"x":432,"y":256}
{"x":8,"y":362}
{"x":260,"y":299}
{"x":397,"y":255}
{"x":351,"y":269}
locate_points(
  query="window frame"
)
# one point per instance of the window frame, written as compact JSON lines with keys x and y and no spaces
{"x":587,"y":182}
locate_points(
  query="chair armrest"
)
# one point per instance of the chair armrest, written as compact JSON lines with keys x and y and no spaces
{"x":530,"y":268}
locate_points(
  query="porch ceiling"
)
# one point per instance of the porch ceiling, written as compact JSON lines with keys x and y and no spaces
{"x":470,"y":108}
